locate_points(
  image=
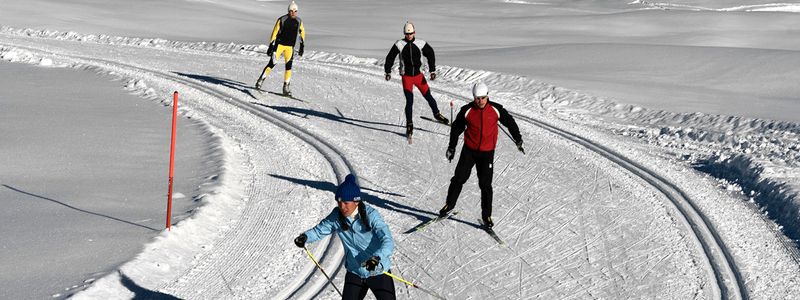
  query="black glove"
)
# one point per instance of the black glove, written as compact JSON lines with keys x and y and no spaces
{"x":271,"y":49}
{"x":388,"y":76}
{"x":433,"y":76}
{"x":302,"y":49}
{"x":371,"y":263}
{"x":451,"y":152}
{"x":300,"y":240}
{"x":519,"y":147}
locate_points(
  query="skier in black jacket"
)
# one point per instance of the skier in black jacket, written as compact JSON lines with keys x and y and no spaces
{"x":411,"y":51}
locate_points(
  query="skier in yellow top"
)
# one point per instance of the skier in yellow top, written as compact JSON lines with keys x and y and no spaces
{"x":282,"y":42}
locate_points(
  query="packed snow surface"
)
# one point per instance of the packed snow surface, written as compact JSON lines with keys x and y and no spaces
{"x":623,"y":108}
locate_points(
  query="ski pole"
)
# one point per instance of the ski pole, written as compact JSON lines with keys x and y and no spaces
{"x":323,"y":271}
{"x":451,"y":112}
{"x":413,"y":285}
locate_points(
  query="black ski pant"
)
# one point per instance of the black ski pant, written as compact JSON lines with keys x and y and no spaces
{"x":355,"y":288}
{"x":483,"y":161}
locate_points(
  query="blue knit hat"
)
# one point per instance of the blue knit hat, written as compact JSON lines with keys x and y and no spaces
{"x":348,"y":190}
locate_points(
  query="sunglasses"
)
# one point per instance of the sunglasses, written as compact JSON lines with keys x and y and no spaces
{"x":482,"y":98}
{"x":410,"y":33}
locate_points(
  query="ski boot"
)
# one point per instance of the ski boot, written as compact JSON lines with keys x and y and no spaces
{"x":439,"y":117}
{"x":409,"y":132}
{"x":286,"y":91}
{"x":487,"y":221}
{"x":259,"y":82}
{"x":446,"y":209}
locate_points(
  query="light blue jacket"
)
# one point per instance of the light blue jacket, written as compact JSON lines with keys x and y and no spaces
{"x":359,"y":244}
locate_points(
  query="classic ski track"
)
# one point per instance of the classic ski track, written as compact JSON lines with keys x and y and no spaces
{"x":729,"y":282}
{"x":727,"y":277}
{"x":331,"y":257}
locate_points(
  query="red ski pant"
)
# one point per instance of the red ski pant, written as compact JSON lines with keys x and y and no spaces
{"x":409,"y":82}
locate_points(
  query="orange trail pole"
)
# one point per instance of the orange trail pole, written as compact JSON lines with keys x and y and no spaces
{"x":172,"y":157}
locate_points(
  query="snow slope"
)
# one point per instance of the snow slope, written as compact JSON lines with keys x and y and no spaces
{"x":582,"y":224}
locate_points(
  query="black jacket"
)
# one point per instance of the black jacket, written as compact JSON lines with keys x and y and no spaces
{"x":411,"y":53}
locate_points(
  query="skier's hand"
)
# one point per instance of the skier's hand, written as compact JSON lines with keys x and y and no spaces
{"x":300,"y":240}
{"x":301,"y":50}
{"x":371,"y":263}
{"x":451,"y":152}
{"x":433,"y":76}
{"x":519,"y":147}
{"x":271,"y":49}
{"x":388,"y":76}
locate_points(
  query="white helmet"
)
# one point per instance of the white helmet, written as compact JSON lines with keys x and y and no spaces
{"x":408,"y":28}
{"x":480,"y":90}
{"x":293,"y":6}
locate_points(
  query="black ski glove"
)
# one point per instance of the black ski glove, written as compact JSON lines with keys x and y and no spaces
{"x":388,"y":76}
{"x":302,"y":49}
{"x":271,"y":49}
{"x":451,"y":152}
{"x":300,"y":240}
{"x":519,"y":147}
{"x":433,"y":76}
{"x":371,"y":263}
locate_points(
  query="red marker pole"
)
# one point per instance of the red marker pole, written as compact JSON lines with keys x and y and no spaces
{"x":172,"y":156}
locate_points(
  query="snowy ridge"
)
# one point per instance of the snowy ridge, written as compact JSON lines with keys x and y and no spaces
{"x":767,"y":7}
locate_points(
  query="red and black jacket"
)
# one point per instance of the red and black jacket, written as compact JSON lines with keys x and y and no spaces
{"x":479,"y":126}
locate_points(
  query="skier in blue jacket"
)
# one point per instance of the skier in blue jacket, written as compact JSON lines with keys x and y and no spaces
{"x":366,"y":239}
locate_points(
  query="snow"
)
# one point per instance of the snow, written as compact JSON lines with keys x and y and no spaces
{"x":669,"y":89}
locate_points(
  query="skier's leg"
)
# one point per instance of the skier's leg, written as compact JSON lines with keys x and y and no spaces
{"x":408,"y":85}
{"x":382,"y":287}
{"x":484,"y":162}
{"x":423,"y":87}
{"x":288,"y":56}
{"x":463,"y":170}
{"x":265,"y":72}
{"x":354,"y":287}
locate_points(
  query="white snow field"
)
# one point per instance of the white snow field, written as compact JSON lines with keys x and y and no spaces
{"x":662,"y":143}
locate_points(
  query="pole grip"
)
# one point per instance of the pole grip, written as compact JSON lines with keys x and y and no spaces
{"x":172,"y":158}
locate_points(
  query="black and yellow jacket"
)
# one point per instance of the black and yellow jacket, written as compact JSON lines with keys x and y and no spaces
{"x":286,"y":31}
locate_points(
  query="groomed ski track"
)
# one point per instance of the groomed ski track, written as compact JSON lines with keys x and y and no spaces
{"x":718,"y":262}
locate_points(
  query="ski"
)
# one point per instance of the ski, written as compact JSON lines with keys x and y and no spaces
{"x":285,"y":96}
{"x":491,"y":232}
{"x":425,"y":224}
{"x":434,"y":120}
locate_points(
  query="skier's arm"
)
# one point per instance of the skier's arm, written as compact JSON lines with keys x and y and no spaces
{"x":427,"y":51}
{"x":382,"y":232}
{"x":387,"y":67}
{"x":458,"y":126}
{"x":302,"y":33}
{"x":325,"y":227}
{"x":275,"y":31}
{"x":508,"y":121}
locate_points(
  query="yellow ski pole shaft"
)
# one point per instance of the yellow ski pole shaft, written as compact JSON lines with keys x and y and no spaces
{"x":322,"y":270}
{"x":413,"y":285}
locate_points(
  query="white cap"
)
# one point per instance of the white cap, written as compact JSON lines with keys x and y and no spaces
{"x":480,"y":90}
{"x":408,"y":28}
{"x":293,"y":6}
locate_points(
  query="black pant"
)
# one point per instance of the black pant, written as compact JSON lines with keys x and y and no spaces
{"x":483,"y":162}
{"x":355,"y":288}
{"x":410,"y":105}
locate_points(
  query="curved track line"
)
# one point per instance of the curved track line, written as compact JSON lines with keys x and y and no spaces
{"x":729,"y":283}
{"x":331,"y":256}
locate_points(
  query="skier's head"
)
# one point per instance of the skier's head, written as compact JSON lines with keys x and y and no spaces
{"x":409,"y":30}
{"x":348,"y":190}
{"x":348,"y":195}
{"x":480,"y":93}
{"x":293,"y":9}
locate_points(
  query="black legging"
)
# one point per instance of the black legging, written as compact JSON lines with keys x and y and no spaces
{"x":483,"y":162}
{"x":355,"y":288}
